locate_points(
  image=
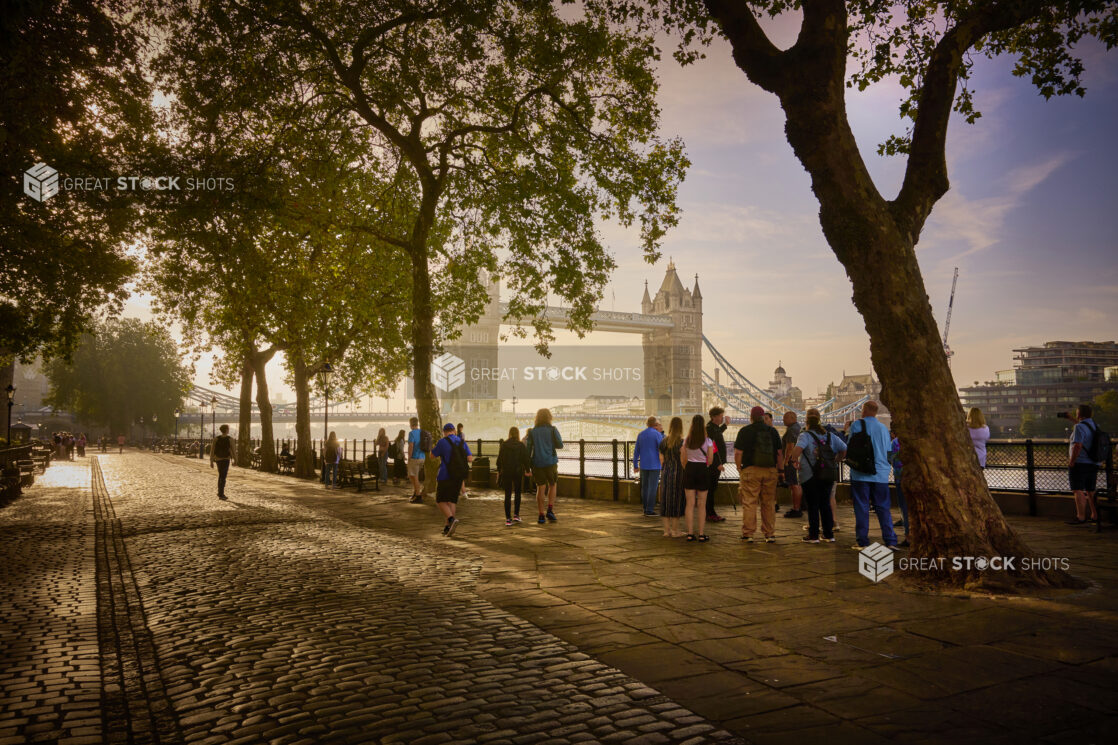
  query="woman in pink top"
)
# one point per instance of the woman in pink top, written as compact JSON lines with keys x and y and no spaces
{"x":979,"y":433}
{"x":696,"y":454}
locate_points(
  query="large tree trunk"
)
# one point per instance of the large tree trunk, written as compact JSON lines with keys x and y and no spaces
{"x":244,"y":421}
{"x":304,"y":460}
{"x":423,"y":353}
{"x":267,"y":437}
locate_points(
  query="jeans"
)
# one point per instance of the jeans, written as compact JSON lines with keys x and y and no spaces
{"x":817,"y":496}
{"x":330,"y":474}
{"x":222,"y":475}
{"x":383,"y":461}
{"x":650,"y":482}
{"x":513,"y":483}
{"x":901,"y":501}
{"x":876,"y":494}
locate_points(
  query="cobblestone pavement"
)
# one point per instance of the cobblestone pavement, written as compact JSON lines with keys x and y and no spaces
{"x":294,"y":614}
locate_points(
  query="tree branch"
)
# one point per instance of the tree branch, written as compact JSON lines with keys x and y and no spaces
{"x":756,"y":56}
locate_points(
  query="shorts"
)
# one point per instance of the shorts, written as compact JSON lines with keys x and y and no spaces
{"x":415,"y":466}
{"x":695,"y":476}
{"x":545,"y":474}
{"x":791,"y":475}
{"x":448,"y":491}
{"x":1083,"y":476}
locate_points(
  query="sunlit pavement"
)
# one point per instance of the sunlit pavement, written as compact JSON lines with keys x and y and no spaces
{"x":149,"y":611}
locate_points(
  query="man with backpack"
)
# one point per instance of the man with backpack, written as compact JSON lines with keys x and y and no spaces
{"x":418,"y":447}
{"x":454,"y":466}
{"x":759,"y":458}
{"x":1085,"y":453}
{"x":867,"y":454}
{"x":221,"y":453}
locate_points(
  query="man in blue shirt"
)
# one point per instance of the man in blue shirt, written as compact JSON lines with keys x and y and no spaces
{"x":646,"y":461}
{"x":449,"y":484}
{"x":1083,"y":472}
{"x":416,"y":458}
{"x":543,"y":440}
{"x":872,"y":489}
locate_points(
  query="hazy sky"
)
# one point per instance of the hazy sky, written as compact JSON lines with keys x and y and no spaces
{"x":1030,"y":221}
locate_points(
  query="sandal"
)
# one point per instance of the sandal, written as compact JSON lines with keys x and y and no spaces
{"x":703,"y":538}
{"x":690,"y":537}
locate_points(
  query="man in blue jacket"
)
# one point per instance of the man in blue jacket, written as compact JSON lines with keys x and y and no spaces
{"x":872,"y":489}
{"x":646,"y":462}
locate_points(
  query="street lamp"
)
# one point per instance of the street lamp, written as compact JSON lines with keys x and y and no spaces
{"x":178,"y":413}
{"x":11,"y":389}
{"x":326,"y":371}
{"x":213,"y":418}
{"x":202,"y":429}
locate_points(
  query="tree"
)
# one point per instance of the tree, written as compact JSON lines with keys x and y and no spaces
{"x":514,"y":125}
{"x":1105,"y":411}
{"x":73,"y":98}
{"x":124,"y":371}
{"x":928,"y":47}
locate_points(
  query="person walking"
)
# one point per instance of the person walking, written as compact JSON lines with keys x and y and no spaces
{"x":816,"y":456}
{"x":716,"y":428}
{"x":398,"y":452}
{"x":331,"y":457}
{"x":454,"y":465}
{"x":646,"y":462}
{"x":513,"y":465}
{"x":979,"y":433}
{"x":81,"y":442}
{"x":867,"y":453}
{"x":791,"y":475}
{"x":672,"y":499}
{"x":696,"y":456}
{"x":460,"y":431}
{"x":221,"y":455}
{"x":1084,"y":455}
{"x":382,"y":444}
{"x":416,"y":459}
{"x":898,"y":468}
{"x":759,"y":458}
{"x":120,"y":443}
{"x":543,"y":440}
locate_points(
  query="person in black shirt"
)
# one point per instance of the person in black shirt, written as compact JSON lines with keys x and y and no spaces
{"x":513,"y":466}
{"x":221,"y":453}
{"x":759,"y":458}
{"x":715,"y":427}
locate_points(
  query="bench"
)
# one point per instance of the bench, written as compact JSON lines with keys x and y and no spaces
{"x":287,"y":464}
{"x":353,"y":472}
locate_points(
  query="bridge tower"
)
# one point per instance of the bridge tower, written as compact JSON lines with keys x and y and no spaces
{"x":673,"y":357}
{"x":477,"y":347}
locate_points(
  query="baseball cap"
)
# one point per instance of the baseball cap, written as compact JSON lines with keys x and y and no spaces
{"x":448,"y":427}
{"x":756,"y":412}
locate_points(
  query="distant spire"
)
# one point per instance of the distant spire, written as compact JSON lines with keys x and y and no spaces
{"x":671,"y":264}
{"x":695,"y":292}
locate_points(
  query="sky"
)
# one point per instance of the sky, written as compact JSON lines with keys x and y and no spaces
{"x":1030,"y":220}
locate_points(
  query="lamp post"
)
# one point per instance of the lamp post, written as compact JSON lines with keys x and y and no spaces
{"x":202,"y":429}
{"x":326,"y":371}
{"x":178,"y":413}
{"x":213,"y":418}
{"x":11,"y":389}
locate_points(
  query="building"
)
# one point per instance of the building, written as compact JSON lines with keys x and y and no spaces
{"x":673,"y":356}
{"x":781,"y":388}
{"x":852,"y":388}
{"x":1045,"y":380}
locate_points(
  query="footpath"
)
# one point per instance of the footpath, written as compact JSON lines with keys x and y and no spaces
{"x":142,"y":609}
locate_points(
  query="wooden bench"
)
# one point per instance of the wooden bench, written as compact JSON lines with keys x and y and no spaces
{"x":352,"y":472}
{"x":287,"y":464}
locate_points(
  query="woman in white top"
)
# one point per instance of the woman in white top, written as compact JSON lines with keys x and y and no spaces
{"x":979,"y":433}
{"x":696,"y":454}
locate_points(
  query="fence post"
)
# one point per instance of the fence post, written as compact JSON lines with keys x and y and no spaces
{"x":616,"y":484}
{"x":582,"y":469}
{"x":1030,"y":466}
{"x":479,"y":446}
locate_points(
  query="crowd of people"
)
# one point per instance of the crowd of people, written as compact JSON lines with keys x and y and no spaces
{"x":66,"y":445}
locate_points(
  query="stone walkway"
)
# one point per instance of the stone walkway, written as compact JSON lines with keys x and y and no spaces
{"x":294,"y":614}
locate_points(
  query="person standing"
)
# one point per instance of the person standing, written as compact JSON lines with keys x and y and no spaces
{"x":646,"y":462}
{"x":454,"y":458}
{"x":382,"y":444}
{"x":398,"y":452}
{"x":416,"y":459}
{"x":513,"y":466}
{"x":867,"y":453}
{"x":716,"y":428}
{"x":898,"y":468}
{"x":759,"y":458}
{"x":817,"y":454}
{"x":543,"y":440}
{"x":979,"y":433}
{"x":82,"y":441}
{"x":221,"y":455}
{"x":696,"y":456}
{"x":791,"y":474}
{"x":331,"y":457}
{"x":672,"y":498}
{"x":120,"y":443}
{"x":1083,"y":465}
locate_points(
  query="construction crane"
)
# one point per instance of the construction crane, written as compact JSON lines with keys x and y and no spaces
{"x":947,"y":323}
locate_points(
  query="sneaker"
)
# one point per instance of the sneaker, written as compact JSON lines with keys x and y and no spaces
{"x":1077,"y":521}
{"x":897,"y":523}
{"x":794,"y":513}
{"x":747,"y":539}
{"x":516,"y":518}
{"x":856,"y":547}
{"x":770,"y":539}
{"x":508,"y":523}
{"x":836,"y":528}
{"x":542,"y":520}
{"x":893,"y":548}
{"x":450,"y":528}
{"x":223,"y":498}
{"x":716,"y":519}
{"x":552,"y":518}
{"x":809,"y":539}
{"x":827,"y":540}
{"x":446,"y":529}
{"x":650,"y":514}
{"x":416,"y":499}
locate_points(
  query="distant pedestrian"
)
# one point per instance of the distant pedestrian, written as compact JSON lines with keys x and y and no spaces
{"x":543,"y":440}
{"x":696,"y":456}
{"x":120,"y":443}
{"x":461,"y":432}
{"x":81,"y":443}
{"x":398,"y":451}
{"x":381,"y":446}
{"x":673,"y":501}
{"x":1084,"y":457}
{"x":416,"y":459}
{"x":513,"y":466}
{"x":716,"y":429}
{"x":221,"y":454}
{"x":646,"y":462}
{"x":898,"y":468}
{"x":817,"y":454}
{"x":454,"y":458}
{"x":759,"y":458}
{"x":979,"y":433}
{"x":791,"y":475}
{"x":331,"y":457}
{"x":867,"y":453}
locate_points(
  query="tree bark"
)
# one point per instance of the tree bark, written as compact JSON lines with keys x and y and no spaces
{"x":304,"y":460}
{"x":423,"y":354}
{"x":244,"y":421}
{"x":267,"y":436}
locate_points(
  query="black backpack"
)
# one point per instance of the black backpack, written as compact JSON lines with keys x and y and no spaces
{"x":425,"y":441}
{"x":393,"y":452}
{"x":1100,"y":445}
{"x":763,"y":455}
{"x":223,"y":446}
{"x":859,"y":451}
{"x":458,"y":467}
{"x":825,"y":466}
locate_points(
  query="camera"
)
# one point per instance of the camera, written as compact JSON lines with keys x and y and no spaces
{"x":1063,"y":415}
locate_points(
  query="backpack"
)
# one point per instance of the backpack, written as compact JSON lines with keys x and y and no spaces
{"x":425,"y":441}
{"x":458,"y":467}
{"x":393,"y":452}
{"x":825,"y":466}
{"x":763,"y":455}
{"x":223,"y":446}
{"x":859,"y":451}
{"x":1100,"y":445}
